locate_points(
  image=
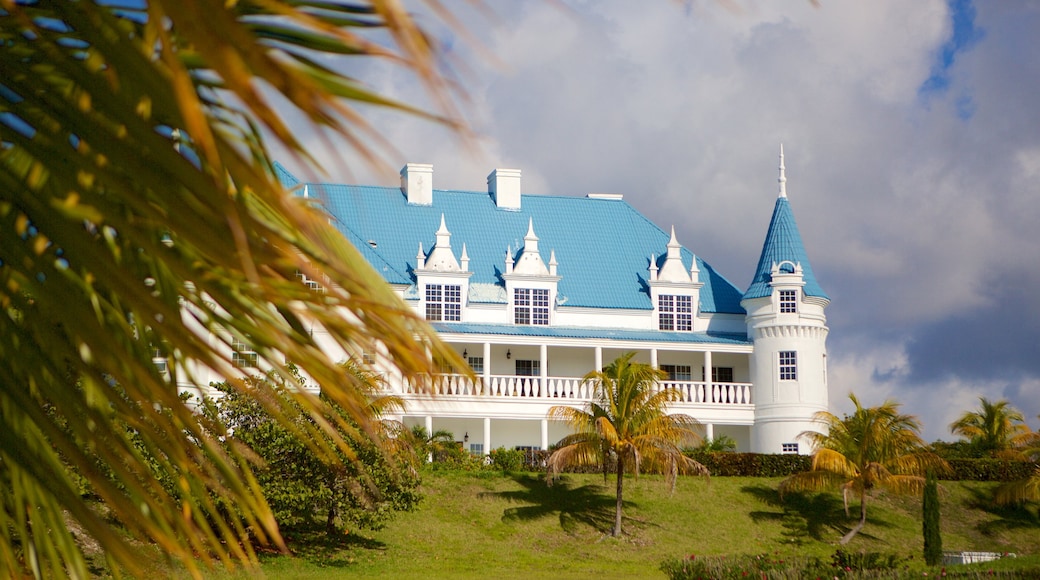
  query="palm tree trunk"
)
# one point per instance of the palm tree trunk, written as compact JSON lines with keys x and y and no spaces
{"x":862,"y":519}
{"x":620,"y":483}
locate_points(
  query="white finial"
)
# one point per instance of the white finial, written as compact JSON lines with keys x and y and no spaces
{"x":509,"y":259}
{"x":530,"y":230}
{"x":552,"y":262}
{"x":420,"y":258}
{"x":306,"y":194}
{"x":464,"y":259}
{"x":653,"y":268}
{"x":443,"y":235}
{"x":783,"y":178}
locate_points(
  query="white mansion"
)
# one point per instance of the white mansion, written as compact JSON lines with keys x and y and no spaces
{"x":534,"y":291}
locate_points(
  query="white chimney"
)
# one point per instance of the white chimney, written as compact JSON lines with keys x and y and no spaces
{"x":504,"y":186}
{"x":417,"y":183}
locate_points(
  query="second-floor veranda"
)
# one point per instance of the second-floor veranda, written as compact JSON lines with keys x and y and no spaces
{"x":548,"y":365}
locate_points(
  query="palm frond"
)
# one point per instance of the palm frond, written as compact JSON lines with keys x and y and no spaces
{"x":1019,"y":491}
{"x":816,"y":480}
{"x":139,"y":211}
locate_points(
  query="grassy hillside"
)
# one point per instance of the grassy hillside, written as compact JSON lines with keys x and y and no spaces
{"x":484,"y":525}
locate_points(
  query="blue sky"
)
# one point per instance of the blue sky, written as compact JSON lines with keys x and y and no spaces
{"x":912,"y":155}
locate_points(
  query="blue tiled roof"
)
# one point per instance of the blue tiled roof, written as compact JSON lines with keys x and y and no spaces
{"x":783,"y":243}
{"x":288,"y":180}
{"x":591,"y":333}
{"x":603,"y":246}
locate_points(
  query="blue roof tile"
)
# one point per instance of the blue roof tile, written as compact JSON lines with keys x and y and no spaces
{"x":603,"y":246}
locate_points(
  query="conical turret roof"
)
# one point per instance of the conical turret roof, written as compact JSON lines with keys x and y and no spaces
{"x":783,"y":244}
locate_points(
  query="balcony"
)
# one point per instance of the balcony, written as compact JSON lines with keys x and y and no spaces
{"x":570,"y":389}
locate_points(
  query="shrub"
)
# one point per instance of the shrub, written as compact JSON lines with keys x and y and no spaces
{"x":507,"y":460}
{"x":743,"y":567}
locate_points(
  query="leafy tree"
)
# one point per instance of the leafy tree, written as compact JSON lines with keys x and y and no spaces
{"x":299,"y":484}
{"x":933,"y":551}
{"x":995,"y":428}
{"x":875,"y":448}
{"x":627,"y":422}
{"x":140,"y":211}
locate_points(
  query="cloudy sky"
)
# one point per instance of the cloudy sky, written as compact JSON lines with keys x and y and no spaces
{"x":912,"y":140}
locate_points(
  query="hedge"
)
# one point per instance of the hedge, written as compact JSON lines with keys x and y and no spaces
{"x":732,"y":464}
{"x":989,"y":470}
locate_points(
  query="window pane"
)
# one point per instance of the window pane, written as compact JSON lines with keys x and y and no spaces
{"x":722,"y":374}
{"x":678,"y":372}
{"x":788,"y":365}
{"x":528,"y":368}
{"x":788,"y":301}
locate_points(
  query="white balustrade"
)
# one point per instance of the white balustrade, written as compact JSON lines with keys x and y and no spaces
{"x":573,"y":388}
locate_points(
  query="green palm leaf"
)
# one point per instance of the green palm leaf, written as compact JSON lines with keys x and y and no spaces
{"x":138,"y":211}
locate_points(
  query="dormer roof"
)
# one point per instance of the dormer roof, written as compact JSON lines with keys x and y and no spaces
{"x":673,"y":269}
{"x":441,"y":258}
{"x":530,"y":261}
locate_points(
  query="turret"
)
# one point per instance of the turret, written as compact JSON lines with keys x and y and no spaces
{"x":786,"y":321}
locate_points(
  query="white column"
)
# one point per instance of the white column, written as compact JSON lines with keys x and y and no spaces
{"x":599,"y":358}
{"x":487,"y":368}
{"x":543,"y":365}
{"x":429,"y":433}
{"x":653,"y":357}
{"x":709,"y":431}
{"x":487,"y":435}
{"x":545,"y":434}
{"x":707,"y":376}
{"x":543,"y":360}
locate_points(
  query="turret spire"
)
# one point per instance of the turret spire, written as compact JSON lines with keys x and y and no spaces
{"x":783,"y":178}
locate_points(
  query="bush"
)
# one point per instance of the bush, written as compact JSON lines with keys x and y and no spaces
{"x":508,"y":460}
{"x":744,"y":566}
{"x":769,"y":566}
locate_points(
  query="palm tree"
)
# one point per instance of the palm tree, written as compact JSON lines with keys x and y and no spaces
{"x":874,"y":448}
{"x":995,"y":428}
{"x":140,"y":212}
{"x":628,"y":423}
{"x":1027,"y":489}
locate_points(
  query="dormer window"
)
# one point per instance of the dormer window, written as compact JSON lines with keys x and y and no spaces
{"x":444,"y":302}
{"x":531,"y":306}
{"x":788,"y":301}
{"x":675,"y":312}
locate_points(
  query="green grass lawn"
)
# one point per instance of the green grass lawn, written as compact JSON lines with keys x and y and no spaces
{"x":482,"y":525}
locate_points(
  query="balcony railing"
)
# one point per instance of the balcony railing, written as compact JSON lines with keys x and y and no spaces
{"x":553,"y":388}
